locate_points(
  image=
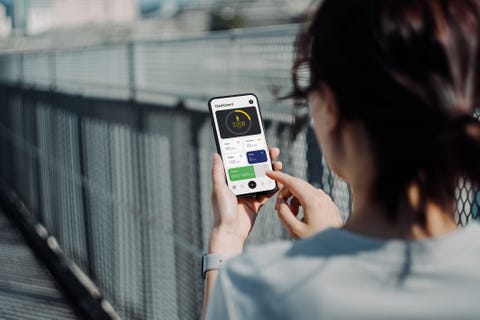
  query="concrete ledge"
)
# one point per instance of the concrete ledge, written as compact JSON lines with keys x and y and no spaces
{"x":74,"y":283}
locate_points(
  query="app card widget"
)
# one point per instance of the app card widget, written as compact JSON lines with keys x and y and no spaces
{"x":248,"y":172}
{"x":241,"y":173}
{"x":257,"y":156}
{"x":236,"y":159}
{"x":254,"y":143}
{"x":260,"y":170}
{"x":233,"y":145}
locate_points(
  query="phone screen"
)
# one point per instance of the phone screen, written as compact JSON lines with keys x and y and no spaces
{"x":241,"y":142}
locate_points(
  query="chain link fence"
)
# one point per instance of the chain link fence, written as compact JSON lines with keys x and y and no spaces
{"x":111,"y":148}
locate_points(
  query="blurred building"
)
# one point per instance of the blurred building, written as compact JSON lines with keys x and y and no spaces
{"x":251,"y":12}
{"x":38,"y":16}
{"x":71,"y":23}
{"x":71,"y":13}
{"x":191,"y":16}
{"x":5,"y":22}
{"x":150,"y":8}
{"x":31,"y":17}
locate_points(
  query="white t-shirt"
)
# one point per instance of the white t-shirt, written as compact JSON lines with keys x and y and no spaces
{"x":337,"y":274}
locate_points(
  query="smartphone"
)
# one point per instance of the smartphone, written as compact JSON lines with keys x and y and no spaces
{"x":240,"y":139}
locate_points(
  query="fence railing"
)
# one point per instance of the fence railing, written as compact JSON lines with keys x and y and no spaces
{"x":111,"y":148}
{"x":168,"y":72}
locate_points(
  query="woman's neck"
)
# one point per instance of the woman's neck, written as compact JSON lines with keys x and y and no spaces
{"x":371,"y":219}
{"x":368,"y":216}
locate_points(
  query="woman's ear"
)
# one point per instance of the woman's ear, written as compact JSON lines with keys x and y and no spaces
{"x":330,"y":112}
{"x":327,"y":123}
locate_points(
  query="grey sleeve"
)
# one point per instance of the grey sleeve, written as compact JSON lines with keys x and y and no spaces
{"x":239,"y":293}
{"x":219,"y":302}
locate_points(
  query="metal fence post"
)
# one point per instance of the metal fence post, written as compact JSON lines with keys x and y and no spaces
{"x":131,"y":70}
{"x":85,"y":201}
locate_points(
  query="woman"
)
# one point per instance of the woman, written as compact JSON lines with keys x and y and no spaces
{"x":392,"y":88}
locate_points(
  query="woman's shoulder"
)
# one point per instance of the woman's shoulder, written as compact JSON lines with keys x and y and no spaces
{"x":304,"y":268}
{"x":338,"y":248}
{"x":263,"y":255}
{"x":278,"y":263}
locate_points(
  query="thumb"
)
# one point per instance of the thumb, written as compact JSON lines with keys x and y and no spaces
{"x":218,"y":172}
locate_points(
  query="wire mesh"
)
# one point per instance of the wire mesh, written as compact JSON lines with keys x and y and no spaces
{"x":96,"y":71}
{"x":126,"y":191}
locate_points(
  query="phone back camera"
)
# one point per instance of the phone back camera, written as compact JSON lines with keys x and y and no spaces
{"x":250,"y":101}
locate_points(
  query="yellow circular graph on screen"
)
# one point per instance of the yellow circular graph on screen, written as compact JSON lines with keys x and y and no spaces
{"x":238,"y":122}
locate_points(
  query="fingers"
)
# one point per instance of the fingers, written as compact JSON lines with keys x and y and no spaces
{"x":299,"y":188}
{"x":274,"y":153}
{"x":319,"y":211}
{"x":288,"y":218}
{"x":285,"y":193}
{"x":295,"y":205}
{"x":277,"y":166}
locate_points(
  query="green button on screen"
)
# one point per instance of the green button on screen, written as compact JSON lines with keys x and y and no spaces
{"x":241,"y":173}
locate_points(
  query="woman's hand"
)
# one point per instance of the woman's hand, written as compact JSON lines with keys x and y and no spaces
{"x":319,"y":211}
{"x":233,"y":218}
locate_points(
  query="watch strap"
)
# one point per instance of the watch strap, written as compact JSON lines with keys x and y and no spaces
{"x":213,"y":261}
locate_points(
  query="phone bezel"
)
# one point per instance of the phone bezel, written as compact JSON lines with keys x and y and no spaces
{"x":217,"y":144}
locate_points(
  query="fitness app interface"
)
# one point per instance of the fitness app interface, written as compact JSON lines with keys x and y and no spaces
{"x":244,"y":150}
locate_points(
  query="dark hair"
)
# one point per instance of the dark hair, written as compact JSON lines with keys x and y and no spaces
{"x":409,"y":71}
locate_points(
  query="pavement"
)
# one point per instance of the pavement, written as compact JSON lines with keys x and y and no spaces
{"x":27,"y":290}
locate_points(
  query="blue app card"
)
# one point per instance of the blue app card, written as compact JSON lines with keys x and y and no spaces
{"x":257,"y":156}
